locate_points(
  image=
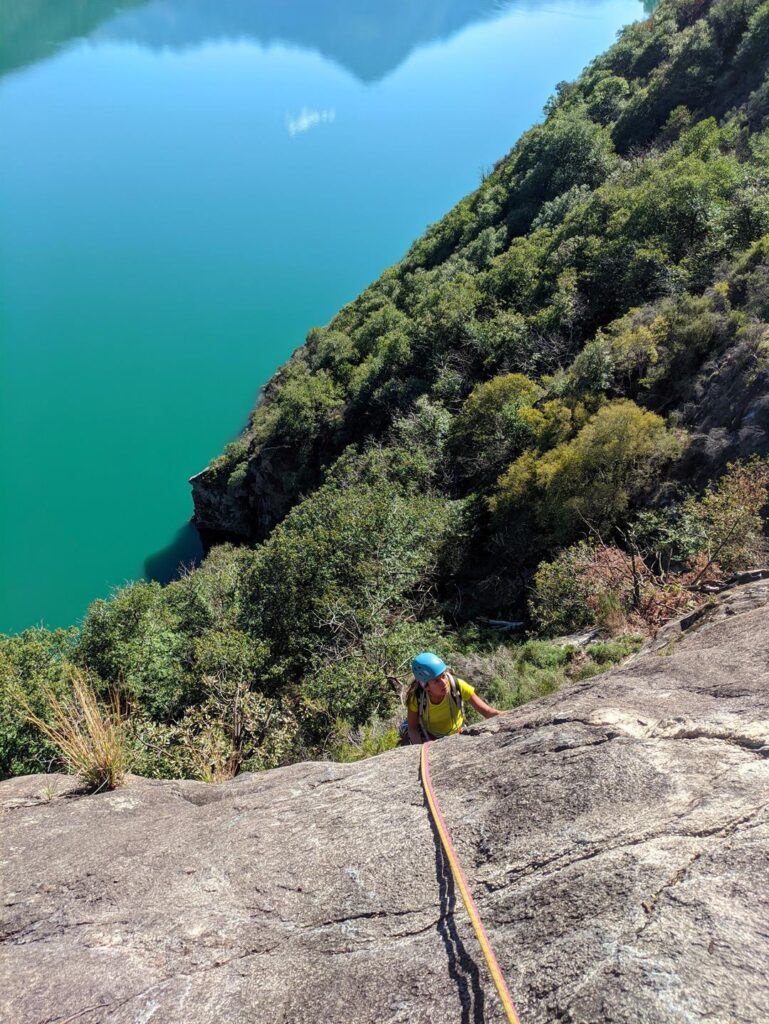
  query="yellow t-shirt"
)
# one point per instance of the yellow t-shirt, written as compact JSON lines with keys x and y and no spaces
{"x":443,"y":719}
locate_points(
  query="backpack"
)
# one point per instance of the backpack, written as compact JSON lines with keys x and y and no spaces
{"x":455,"y":695}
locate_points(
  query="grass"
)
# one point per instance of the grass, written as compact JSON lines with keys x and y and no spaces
{"x":611,"y":652}
{"x":514,"y":674}
{"x":91,"y":738}
{"x":356,"y":744}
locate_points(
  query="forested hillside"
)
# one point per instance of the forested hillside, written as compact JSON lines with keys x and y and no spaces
{"x":554,"y":409}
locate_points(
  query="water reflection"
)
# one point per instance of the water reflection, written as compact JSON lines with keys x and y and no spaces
{"x":370,"y":38}
{"x":34,"y":30}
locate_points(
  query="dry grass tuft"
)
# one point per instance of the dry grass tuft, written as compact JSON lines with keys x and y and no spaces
{"x":90,"y":737}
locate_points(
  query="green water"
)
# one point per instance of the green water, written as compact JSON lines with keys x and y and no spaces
{"x":187,"y":186}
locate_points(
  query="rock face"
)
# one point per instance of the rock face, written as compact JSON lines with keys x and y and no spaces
{"x":615,"y":835}
{"x":248,"y":508}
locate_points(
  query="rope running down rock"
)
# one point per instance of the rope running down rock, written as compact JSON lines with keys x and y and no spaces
{"x":461,"y":882}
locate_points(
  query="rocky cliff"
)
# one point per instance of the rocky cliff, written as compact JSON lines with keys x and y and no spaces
{"x":615,"y":835}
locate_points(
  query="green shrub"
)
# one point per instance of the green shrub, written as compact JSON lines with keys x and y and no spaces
{"x":668,"y":538}
{"x":340,"y":563}
{"x":544,"y":655}
{"x":589,"y":585}
{"x":568,"y":149}
{"x":608,"y":98}
{"x":612,"y":652}
{"x":354,"y":745}
{"x":233,"y":729}
{"x":590,"y":481}
{"x":134,"y":638}
{"x":32,"y":665}
{"x":354,"y":689}
{"x":304,"y":403}
{"x":729,"y":515}
{"x":496,"y":422}
{"x":560,"y":599}
{"x":587,"y":670}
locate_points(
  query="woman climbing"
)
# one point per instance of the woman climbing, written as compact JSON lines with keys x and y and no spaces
{"x":435,"y":701}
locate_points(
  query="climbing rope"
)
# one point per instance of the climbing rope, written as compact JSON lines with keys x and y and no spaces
{"x":461,"y":881}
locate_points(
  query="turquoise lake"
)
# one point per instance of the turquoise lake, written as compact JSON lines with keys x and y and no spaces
{"x":187,"y":186}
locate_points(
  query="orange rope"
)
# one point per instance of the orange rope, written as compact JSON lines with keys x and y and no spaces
{"x":461,"y":881}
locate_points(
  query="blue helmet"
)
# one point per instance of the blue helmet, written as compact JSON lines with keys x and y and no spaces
{"x":427,"y":666}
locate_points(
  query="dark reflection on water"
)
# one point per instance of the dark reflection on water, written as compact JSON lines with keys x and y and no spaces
{"x":34,"y":30}
{"x":368,"y":37}
{"x":184,"y":551}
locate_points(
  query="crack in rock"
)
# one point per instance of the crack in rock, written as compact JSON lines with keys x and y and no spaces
{"x":649,"y":905}
{"x":596,"y":862}
{"x":533,"y":868}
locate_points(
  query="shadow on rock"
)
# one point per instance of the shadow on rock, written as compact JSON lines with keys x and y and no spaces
{"x":462,"y":968}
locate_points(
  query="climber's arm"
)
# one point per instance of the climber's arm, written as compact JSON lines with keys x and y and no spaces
{"x":485,"y":709}
{"x":415,"y":736}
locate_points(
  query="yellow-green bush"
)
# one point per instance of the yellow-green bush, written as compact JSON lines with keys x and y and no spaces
{"x":497,"y":421}
{"x":590,"y":481}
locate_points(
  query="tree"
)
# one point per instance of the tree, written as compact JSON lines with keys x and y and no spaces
{"x":495,"y":424}
{"x":591,"y":480}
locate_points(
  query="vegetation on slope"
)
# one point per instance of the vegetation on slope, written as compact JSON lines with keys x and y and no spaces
{"x":553,"y":408}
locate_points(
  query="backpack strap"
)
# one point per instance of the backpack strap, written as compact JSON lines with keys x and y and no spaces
{"x":421,"y":705}
{"x":455,"y":695}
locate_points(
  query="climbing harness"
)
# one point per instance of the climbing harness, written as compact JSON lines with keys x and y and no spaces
{"x":461,"y":881}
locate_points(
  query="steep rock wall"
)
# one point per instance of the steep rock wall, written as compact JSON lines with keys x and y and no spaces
{"x":615,"y":835}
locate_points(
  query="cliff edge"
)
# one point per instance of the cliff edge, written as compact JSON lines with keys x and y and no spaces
{"x":615,"y":836}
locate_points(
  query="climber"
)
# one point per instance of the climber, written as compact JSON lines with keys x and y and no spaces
{"x":435,"y":701}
